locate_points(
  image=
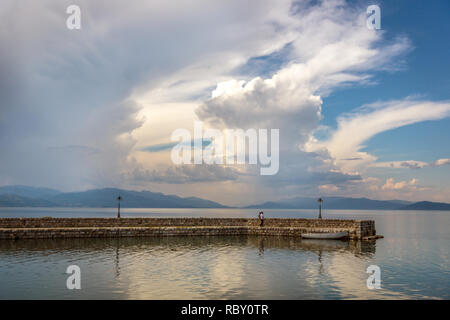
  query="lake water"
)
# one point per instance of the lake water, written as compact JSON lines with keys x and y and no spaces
{"x":413,"y":258}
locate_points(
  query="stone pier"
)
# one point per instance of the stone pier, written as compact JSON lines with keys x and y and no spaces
{"x":41,"y":228}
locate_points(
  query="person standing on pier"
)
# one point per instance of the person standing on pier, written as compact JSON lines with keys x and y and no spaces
{"x":261,"y":218}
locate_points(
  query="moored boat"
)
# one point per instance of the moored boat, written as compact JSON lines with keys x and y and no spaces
{"x":325,"y":235}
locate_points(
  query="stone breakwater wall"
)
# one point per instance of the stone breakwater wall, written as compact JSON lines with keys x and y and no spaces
{"x":39,"y":228}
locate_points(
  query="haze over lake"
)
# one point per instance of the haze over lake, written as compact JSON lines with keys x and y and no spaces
{"x":413,"y":257}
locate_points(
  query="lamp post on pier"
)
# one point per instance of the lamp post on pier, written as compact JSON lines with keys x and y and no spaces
{"x":320,"y":200}
{"x":118,"y":208}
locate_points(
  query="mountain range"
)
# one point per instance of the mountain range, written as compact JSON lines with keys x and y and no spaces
{"x":351,"y":203}
{"x":334,"y":203}
{"x":25,"y":196}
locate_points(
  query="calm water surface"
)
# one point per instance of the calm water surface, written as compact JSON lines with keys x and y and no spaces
{"x":414,"y":260}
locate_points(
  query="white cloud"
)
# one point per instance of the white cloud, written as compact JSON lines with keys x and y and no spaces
{"x":355,"y":129}
{"x":410,"y":164}
{"x":392,"y":185}
{"x":328,"y":188}
{"x":339,"y":51}
{"x":441,"y":162}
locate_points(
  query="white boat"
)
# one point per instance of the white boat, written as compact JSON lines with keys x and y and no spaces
{"x":325,"y":235}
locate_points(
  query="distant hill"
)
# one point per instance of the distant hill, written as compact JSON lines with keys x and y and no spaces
{"x":131,"y":199}
{"x":105,"y":198}
{"x":332,"y":203}
{"x":426,"y":205}
{"x":12,"y":200}
{"x":28,"y":192}
{"x":400,"y":202}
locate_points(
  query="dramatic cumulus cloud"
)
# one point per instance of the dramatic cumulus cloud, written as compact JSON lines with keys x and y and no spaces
{"x":332,"y":49}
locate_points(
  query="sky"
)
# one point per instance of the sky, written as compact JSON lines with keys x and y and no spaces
{"x":360,"y":112}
